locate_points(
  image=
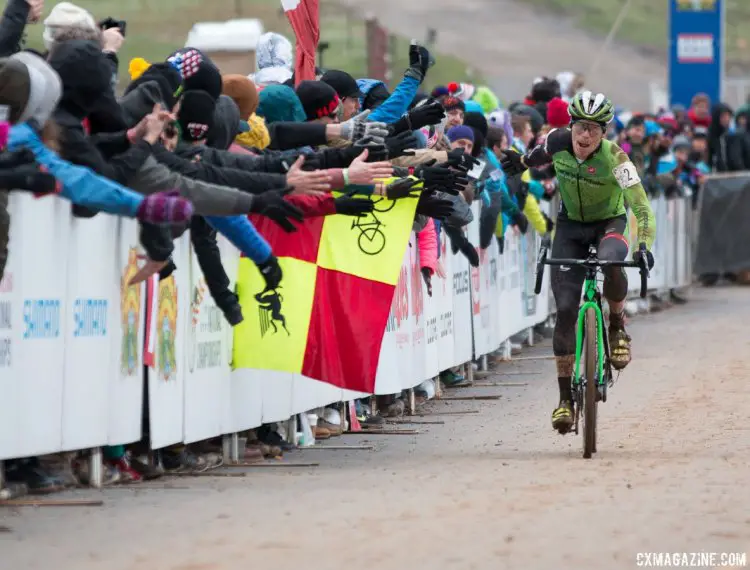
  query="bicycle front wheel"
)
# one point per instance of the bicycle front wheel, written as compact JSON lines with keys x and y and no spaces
{"x":590,"y":359}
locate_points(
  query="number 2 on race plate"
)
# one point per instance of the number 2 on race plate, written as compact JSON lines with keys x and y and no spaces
{"x":626,"y":175}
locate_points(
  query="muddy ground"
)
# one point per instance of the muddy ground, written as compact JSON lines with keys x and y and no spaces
{"x":487,"y":490}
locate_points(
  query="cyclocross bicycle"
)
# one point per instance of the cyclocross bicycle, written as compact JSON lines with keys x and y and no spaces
{"x":592,"y":342}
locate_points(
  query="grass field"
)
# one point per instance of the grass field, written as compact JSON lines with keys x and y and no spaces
{"x":158,"y":27}
{"x":646,"y":23}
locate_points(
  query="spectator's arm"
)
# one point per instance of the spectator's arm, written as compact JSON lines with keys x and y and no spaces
{"x":12,"y":25}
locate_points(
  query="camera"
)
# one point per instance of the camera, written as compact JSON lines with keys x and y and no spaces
{"x":112,"y":23}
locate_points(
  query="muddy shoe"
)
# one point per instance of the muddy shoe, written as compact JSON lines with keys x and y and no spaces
{"x":321,"y":433}
{"x":562,"y":417}
{"x":619,"y":342}
{"x":333,"y":429}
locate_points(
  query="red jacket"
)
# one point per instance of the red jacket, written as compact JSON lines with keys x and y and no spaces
{"x":699,"y":121}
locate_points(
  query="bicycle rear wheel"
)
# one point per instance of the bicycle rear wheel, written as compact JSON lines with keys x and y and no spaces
{"x":591,"y":356}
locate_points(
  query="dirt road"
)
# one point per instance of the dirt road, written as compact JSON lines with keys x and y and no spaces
{"x":496,"y":489}
{"x":511,"y":43}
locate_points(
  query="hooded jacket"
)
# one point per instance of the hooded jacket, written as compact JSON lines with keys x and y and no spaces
{"x":85,"y":75}
{"x":724,"y":148}
{"x":12,"y":25}
{"x":273,"y":59}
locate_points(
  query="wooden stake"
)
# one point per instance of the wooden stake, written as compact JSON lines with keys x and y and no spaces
{"x":384,"y":432}
{"x":416,"y":422}
{"x":338,"y":447}
{"x":276,"y":464}
{"x":490,"y":384}
{"x":51,"y":503}
{"x":447,"y":413}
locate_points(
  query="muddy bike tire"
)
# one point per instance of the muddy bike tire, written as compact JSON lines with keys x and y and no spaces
{"x":591,"y":356}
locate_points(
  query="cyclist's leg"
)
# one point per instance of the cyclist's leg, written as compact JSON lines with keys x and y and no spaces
{"x":614,"y":247}
{"x":571,"y":242}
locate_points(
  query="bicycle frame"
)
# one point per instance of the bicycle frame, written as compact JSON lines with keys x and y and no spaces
{"x":592,"y":300}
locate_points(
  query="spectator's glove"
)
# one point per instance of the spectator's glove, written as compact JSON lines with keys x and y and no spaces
{"x":272,"y":205}
{"x":639,"y":256}
{"x":377,"y":151}
{"x":271,"y":272}
{"x":399,"y":144}
{"x":349,"y":206}
{"x":460,"y":243}
{"x":433,"y":206}
{"x":402,"y":188}
{"x":428,"y":114}
{"x":501,"y":244}
{"x":512,"y":163}
{"x":419,"y":62}
{"x":440,"y":178}
{"x":521,"y":221}
{"x":459,"y":160}
{"x":427,"y":276}
{"x":359,"y":127}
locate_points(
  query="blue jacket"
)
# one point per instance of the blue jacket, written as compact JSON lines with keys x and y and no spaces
{"x":243,"y":235}
{"x":497,"y":183}
{"x":79,"y":184}
{"x":396,"y":105}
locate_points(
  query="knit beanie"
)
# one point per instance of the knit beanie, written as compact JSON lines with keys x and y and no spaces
{"x":486,"y":99}
{"x":473,"y":107}
{"x":318,"y":99}
{"x":196,"y":115}
{"x":681,"y":142}
{"x":66,"y":15}
{"x":477,"y":121}
{"x":439,"y":91}
{"x":197,"y":70}
{"x":243,"y":91}
{"x":557,"y":113}
{"x":461,"y":132}
{"x":452,"y":103}
{"x":375,"y":97}
{"x":165,"y":74}
{"x":277,"y":103}
{"x":256,"y":134}
{"x":545,"y":90}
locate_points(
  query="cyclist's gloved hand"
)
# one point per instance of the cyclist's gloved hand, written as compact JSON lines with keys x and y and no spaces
{"x":442,"y":179}
{"x":349,"y":206}
{"x":459,"y":160}
{"x":272,"y":205}
{"x":521,"y":221}
{"x":640,"y":254}
{"x":432,"y":206}
{"x":402,"y":188}
{"x":512,"y":163}
{"x":271,"y":272}
{"x":427,"y":276}
{"x":549,"y":222}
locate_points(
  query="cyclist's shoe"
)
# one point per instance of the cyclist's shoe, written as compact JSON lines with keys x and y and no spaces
{"x":562,"y":417}
{"x":619,"y":342}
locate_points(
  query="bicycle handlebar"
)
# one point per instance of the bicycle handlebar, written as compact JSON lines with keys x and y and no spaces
{"x":591,"y":263}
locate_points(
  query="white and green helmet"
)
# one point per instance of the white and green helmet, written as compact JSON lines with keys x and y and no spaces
{"x":585,"y":106}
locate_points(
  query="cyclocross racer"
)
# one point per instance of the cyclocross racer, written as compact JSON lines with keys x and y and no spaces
{"x":597,"y":180}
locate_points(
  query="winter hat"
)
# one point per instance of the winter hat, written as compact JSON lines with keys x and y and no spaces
{"x":502,"y":119}
{"x":66,"y":15}
{"x":418,"y":98}
{"x":273,"y":60}
{"x":477,"y":121}
{"x":197,"y":70}
{"x":243,"y":92}
{"x":196,"y":116}
{"x":461,"y":132}
{"x":486,"y":99}
{"x":44,"y":88}
{"x":439,"y":91}
{"x":256,"y":135}
{"x":472,"y":107}
{"x":464,"y":91}
{"x":344,"y":84}
{"x":375,"y":96}
{"x":452,"y":103}
{"x":537,"y":121}
{"x":226,"y":124}
{"x":545,"y":90}
{"x":318,"y":99}
{"x":166,"y":75}
{"x":557,"y":113}
{"x":681,"y":142}
{"x":278,"y":103}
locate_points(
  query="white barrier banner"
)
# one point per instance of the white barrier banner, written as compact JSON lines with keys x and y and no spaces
{"x":463,"y":343}
{"x":416,"y":354}
{"x":91,"y":324}
{"x":442,"y":300}
{"x":32,"y":321}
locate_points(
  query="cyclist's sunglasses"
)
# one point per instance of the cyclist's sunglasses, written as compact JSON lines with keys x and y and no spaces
{"x":579,"y":127}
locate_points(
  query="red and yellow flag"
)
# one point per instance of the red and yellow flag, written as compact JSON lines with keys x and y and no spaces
{"x":327,"y":319}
